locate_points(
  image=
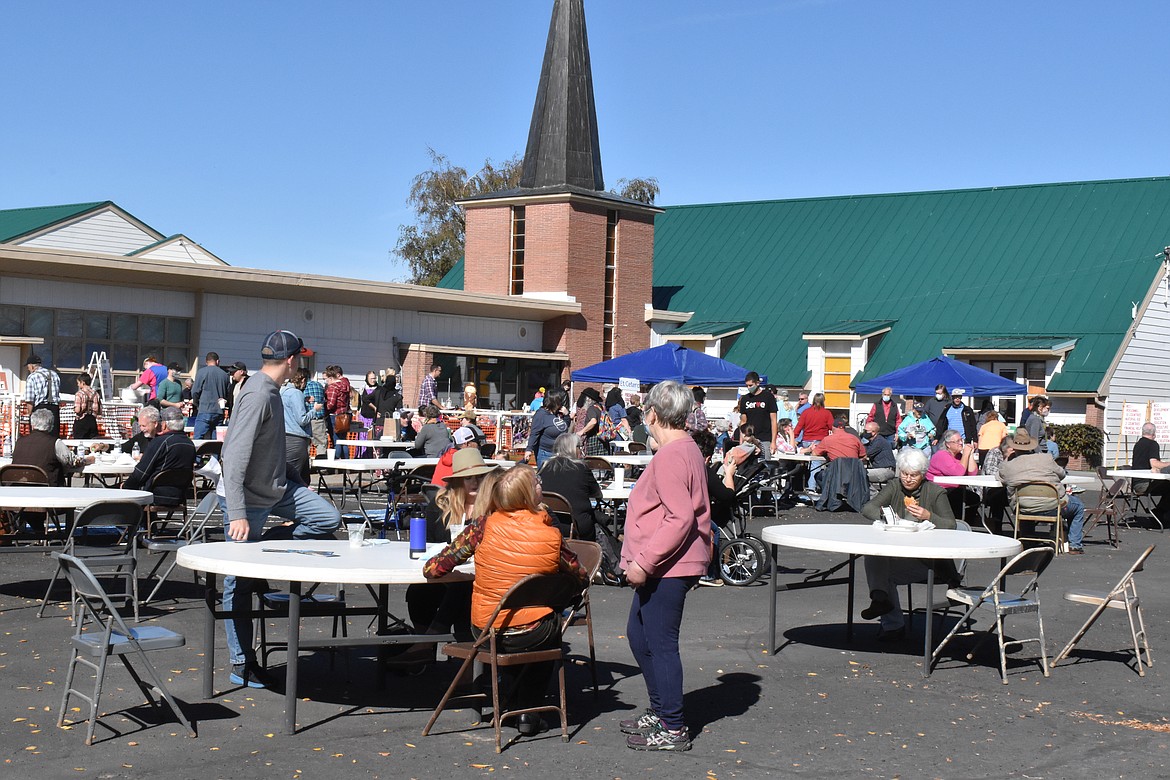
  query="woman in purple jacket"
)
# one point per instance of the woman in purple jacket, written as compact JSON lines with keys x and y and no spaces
{"x":667,"y":548}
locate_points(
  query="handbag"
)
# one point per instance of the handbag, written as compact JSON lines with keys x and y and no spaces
{"x":341,"y":422}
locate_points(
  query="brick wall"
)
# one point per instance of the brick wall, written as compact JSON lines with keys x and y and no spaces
{"x":564,"y":252}
{"x":487,"y":250}
{"x":415,"y":365}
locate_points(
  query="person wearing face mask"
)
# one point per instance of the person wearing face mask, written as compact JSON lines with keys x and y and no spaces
{"x":888,"y":416}
{"x":938,"y":404}
{"x":959,"y":417}
{"x":759,"y":411}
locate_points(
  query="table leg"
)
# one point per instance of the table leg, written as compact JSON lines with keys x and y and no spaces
{"x":209,"y":636}
{"x":772,"y":600}
{"x":361,"y":508}
{"x":291,"y":664}
{"x":849,"y":615}
{"x":929,"y":621}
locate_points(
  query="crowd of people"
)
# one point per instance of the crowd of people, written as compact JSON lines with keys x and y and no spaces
{"x":673,"y":515}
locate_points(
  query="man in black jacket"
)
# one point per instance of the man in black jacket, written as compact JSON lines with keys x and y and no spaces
{"x":958,"y":417}
{"x":170,"y":450}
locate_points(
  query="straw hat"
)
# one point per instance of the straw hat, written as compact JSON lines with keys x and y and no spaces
{"x":469,"y":463}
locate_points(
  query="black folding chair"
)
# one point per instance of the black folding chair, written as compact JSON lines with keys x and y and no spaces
{"x":118,"y":559}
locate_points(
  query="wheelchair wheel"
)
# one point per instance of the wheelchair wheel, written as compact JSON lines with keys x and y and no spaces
{"x":741,"y":561}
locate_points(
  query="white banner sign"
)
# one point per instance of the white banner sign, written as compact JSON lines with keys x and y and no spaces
{"x":1131,"y":420}
{"x":628,"y":385}
{"x":1160,"y":416}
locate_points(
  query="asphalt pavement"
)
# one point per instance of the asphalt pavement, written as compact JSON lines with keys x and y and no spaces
{"x":817,"y":706}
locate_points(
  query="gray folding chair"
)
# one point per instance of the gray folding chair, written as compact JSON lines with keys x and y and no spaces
{"x":1030,"y":563}
{"x":589,"y":556}
{"x":117,"y":560}
{"x":1123,"y":596}
{"x":111,"y":636}
{"x":193,"y":530}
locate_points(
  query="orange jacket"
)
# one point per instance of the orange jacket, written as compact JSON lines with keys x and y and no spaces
{"x":514,"y":545}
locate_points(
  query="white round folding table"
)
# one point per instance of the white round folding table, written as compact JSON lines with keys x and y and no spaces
{"x":858,"y":540}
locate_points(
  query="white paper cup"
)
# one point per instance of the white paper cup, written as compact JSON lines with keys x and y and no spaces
{"x":357,"y":533}
{"x":330,"y":454}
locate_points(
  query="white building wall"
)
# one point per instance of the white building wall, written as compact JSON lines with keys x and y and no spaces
{"x":358,"y":338}
{"x":181,"y":252}
{"x":100,"y":297}
{"x":103,"y":232}
{"x":1142,"y":374}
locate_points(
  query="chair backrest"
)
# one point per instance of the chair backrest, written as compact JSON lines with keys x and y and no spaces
{"x":1038,"y":492}
{"x":425,"y":473}
{"x":487,"y":449}
{"x":124,"y":515}
{"x":171,"y":486}
{"x":556,"y":503}
{"x":558,"y":591}
{"x":18,"y":474}
{"x":588,"y":554}
{"x":1033,"y":561}
{"x":636,"y":448}
{"x":1125,"y":580}
{"x":209,"y":448}
{"x":1102,"y":473}
{"x":598,"y":464}
{"x":91,"y":593}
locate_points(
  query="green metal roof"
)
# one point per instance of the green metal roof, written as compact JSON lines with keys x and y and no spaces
{"x":1065,"y":259}
{"x":705,"y":328}
{"x":453,"y":279}
{"x":18,"y":222}
{"x":1013,"y":343}
{"x":860,"y":328}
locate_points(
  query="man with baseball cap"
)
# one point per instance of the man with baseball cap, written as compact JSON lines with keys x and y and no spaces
{"x":464,"y":439}
{"x":1025,"y":464}
{"x":257,"y":482}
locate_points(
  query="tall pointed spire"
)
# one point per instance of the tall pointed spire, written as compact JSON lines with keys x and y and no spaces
{"x":563,"y":149}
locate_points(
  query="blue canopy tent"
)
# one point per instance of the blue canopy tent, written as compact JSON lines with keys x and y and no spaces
{"x":922,"y":378}
{"x":669,"y":361}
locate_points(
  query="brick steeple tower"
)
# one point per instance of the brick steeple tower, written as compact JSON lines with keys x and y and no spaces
{"x":560,"y":235}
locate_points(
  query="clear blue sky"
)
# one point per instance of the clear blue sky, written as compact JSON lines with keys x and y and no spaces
{"x":285,"y":134}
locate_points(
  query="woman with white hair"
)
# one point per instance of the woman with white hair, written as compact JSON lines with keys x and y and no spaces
{"x":911,"y":497}
{"x":667,"y":547}
{"x":566,"y":474}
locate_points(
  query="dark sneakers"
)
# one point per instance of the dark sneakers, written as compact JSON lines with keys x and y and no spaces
{"x":660,"y":739}
{"x":879,"y":605}
{"x":248,"y":674}
{"x":648,"y":723}
{"x":530,"y":724}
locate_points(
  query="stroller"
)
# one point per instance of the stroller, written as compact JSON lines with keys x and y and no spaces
{"x":743,"y":558}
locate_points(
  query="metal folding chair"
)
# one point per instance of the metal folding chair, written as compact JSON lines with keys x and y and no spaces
{"x":1030,"y":563}
{"x":111,"y":637}
{"x":193,"y":530}
{"x":1124,"y":595}
{"x":1106,"y":511}
{"x":589,"y":556}
{"x":560,"y":592}
{"x":558,"y":506}
{"x":1039,"y":491}
{"x":117,"y":560}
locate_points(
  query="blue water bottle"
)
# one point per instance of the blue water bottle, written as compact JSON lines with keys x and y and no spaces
{"x":418,"y":537}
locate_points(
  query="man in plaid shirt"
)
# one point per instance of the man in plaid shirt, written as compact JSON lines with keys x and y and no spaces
{"x":430,"y":386}
{"x":315,"y":400}
{"x":42,"y":390}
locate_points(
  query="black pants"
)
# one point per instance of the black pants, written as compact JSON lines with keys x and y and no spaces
{"x":85,"y":427}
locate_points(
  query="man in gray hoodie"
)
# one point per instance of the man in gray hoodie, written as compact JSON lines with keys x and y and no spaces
{"x":257,"y":483}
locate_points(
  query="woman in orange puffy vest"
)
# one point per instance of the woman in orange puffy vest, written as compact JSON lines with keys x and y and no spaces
{"x":518,"y":538}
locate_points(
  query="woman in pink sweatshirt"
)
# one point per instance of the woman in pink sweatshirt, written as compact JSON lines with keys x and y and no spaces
{"x":667,"y":547}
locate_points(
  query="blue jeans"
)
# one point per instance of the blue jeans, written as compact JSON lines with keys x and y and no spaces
{"x":205,"y":425}
{"x":314,"y":517}
{"x":652,"y":631}
{"x":542,"y":456}
{"x":1074,"y":512}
